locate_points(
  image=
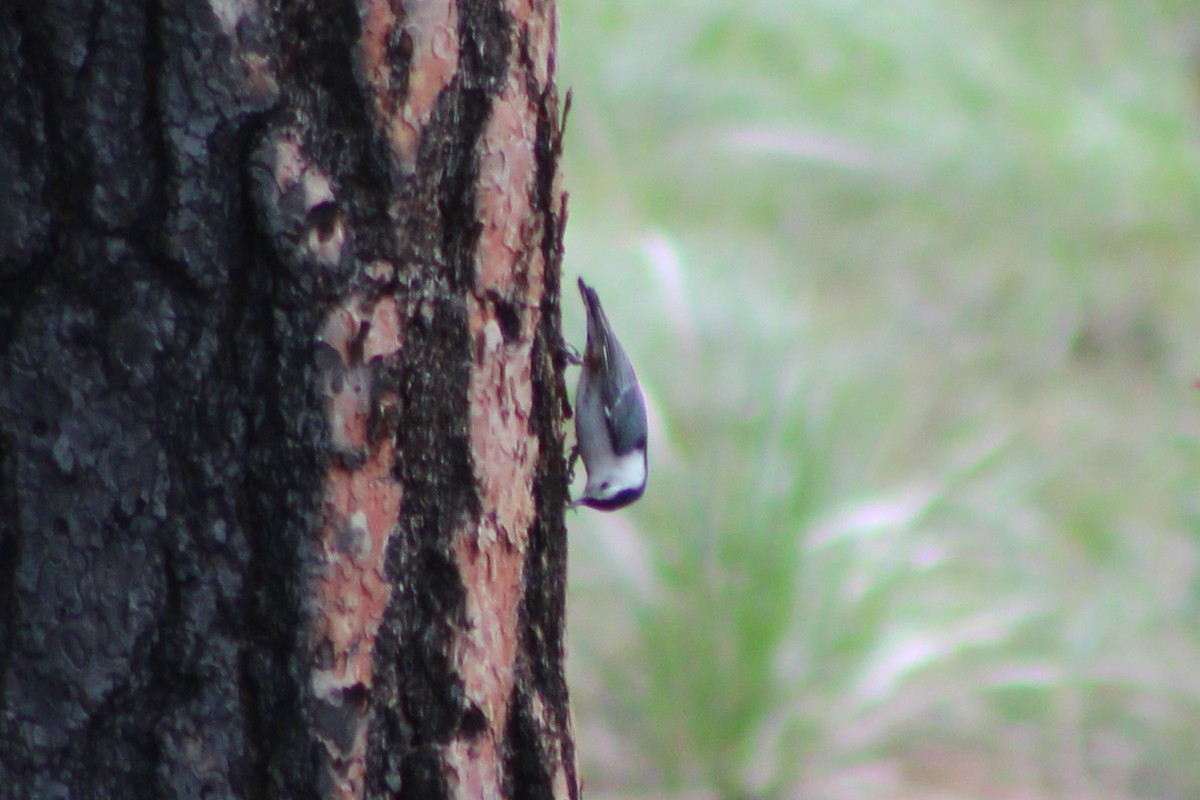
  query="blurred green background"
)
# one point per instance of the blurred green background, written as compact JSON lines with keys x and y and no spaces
{"x":913,"y":289}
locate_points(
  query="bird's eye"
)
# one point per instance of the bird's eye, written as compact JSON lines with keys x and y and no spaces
{"x":604,"y":486}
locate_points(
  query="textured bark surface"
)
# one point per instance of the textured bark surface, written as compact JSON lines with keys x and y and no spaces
{"x":281,"y":462}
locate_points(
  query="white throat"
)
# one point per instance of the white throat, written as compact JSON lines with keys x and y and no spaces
{"x":621,"y":473}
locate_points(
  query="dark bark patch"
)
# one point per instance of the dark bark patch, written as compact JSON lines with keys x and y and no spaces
{"x":527,"y":774}
{"x":543,"y":604}
{"x":325,"y":98}
{"x":474,"y":722}
{"x":24,"y":154}
{"x":508,"y":314}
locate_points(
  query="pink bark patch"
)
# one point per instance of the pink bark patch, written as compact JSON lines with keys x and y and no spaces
{"x":506,"y":181}
{"x":362,"y":504}
{"x":428,"y":30}
{"x":511,"y":269}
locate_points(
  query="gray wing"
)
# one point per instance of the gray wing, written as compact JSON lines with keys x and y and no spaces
{"x":626,"y":418}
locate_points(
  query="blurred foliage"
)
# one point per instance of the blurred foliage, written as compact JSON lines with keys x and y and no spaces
{"x":913,"y":289}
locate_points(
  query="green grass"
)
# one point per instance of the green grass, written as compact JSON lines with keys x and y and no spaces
{"x":913,"y":289}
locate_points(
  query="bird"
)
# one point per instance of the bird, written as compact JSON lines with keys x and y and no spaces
{"x":610,"y":416}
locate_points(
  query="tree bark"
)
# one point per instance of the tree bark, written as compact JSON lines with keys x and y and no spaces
{"x":281,"y":400}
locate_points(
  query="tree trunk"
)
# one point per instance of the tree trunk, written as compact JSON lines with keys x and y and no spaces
{"x":281,"y":400}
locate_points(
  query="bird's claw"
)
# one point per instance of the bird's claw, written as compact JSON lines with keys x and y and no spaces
{"x":570,"y":353}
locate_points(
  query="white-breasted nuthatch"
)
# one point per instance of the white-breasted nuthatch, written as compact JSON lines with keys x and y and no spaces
{"x":610,"y":416}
